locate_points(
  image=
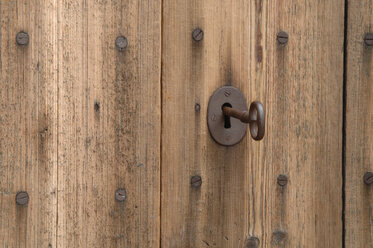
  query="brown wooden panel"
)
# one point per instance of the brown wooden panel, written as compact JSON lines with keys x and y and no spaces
{"x":109,"y":123}
{"x":359,"y":125}
{"x":300,"y":85}
{"x":28,"y":126}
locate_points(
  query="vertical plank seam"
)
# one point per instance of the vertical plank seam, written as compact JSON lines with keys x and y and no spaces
{"x":39,"y":34}
{"x":57,"y":111}
{"x":161,"y":125}
{"x":25,"y":185}
{"x":344,"y":126}
{"x":87,"y":92}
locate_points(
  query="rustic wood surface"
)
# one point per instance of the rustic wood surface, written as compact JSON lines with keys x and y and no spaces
{"x":28,"y":124}
{"x":79,"y":119}
{"x":109,"y":124}
{"x":301,"y":87}
{"x":359,"y":126}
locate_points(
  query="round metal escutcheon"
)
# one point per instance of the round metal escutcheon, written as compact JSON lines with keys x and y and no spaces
{"x":226,"y":95}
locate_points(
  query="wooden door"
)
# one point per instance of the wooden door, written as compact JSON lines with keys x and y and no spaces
{"x":103,"y":124}
{"x":301,"y":86}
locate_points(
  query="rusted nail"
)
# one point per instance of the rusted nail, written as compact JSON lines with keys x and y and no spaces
{"x":197,"y":34}
{"x":282,"y":37}
{"x":368,"y":39}
{"x":22,"y":198}
{"x":368,"y":178}
{"x":121,"y":43}
{"x":252,"y":242}
{"x":196,"y":181}
{"x":120,"y":194}
{"x":22,"y":38}
{"x":282,"y":180}
{"x":197,"y":107}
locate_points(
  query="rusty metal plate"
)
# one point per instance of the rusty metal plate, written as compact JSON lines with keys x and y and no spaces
{"x":216,"y":121}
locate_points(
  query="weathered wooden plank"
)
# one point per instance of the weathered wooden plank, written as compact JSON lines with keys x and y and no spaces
{"x":28,"y":123}
{"x":300,"y":85}
{"x":359,"y":114}
{"x":109,"y":124}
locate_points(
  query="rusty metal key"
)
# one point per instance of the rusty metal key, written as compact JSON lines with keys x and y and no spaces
{"x":255,"y":117}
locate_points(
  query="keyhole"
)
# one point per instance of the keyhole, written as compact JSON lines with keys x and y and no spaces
{"x":227,"y":119}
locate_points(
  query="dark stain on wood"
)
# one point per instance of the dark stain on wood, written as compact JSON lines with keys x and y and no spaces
{"x":279,"y":237}
{"x":259,"y":48}
{"x":252,"y":242}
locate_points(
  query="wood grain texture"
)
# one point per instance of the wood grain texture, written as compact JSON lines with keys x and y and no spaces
{"x":109,"y":123}
{"x":78,"y":119}
{"x":28,"y":123}
{"x":300,"y":85}
{"x":359,"y":124}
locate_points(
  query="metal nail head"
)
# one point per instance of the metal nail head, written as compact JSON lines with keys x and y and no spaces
{"x":120,"y":194}
{"x":368,"y":39}
{"x":282,"y":180}
{"x":197,"y":34}
{"x":22,"y":38}
{"x":282,"y":37}
{"x":196,"y":181}
{"x":121,"y":43}
{"x":368,"y":178}
{"x":22,"y":198}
